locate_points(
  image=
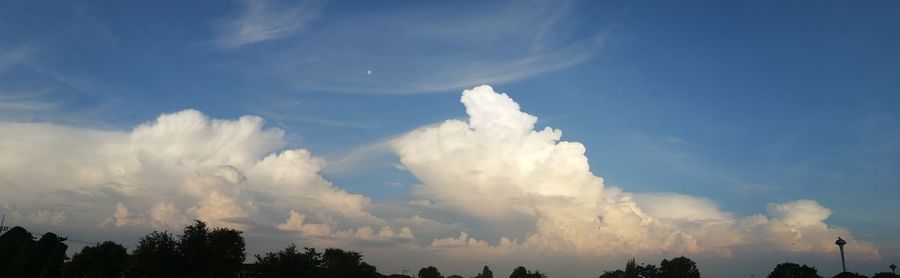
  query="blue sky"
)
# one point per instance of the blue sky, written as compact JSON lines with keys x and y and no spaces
{"x":743,"y":103}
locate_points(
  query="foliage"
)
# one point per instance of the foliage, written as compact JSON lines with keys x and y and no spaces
{"x":333,"y":262}
{"x":849,"y":275}
{"x":430,"y":272}
{"x":618,"y":273}
{"x":338,"y":263}
{"x":485,"y":273}
{"x":678,"y":267}
{"x":521,"y":272}
{"x":198,"y":252}
{"x":290,"y":263}
{"x":227,"y":252}
{"x":107,"y":259}
{"x":792,"y":270}
{"x":885,"y":275}
{"x":215,"y":253}
{"x":633,"y":270}
{"x":21,"y":256}
{"x":156,"y":255}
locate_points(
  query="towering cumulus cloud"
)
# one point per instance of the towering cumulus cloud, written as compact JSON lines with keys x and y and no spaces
{"x":163,"y":173}
{"x":496,"y":166}
{"x":492,"y":188}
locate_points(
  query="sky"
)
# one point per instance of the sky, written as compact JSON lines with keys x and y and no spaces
{"x":566,"y":136}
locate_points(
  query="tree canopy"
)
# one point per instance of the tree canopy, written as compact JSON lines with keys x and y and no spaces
{"x":156,"y":255}
{"x":485,"y":273}
{"x":107,"y":259}
{"x":430,"y":272}
{"x":678,"y":267}
{"x":339,"y":263}
{"x":792,"y":270}
{"x":290,"y":263}
{"x":521,"y":272}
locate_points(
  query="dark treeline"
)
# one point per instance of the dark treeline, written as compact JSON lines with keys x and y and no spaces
{"x":200,"y":251}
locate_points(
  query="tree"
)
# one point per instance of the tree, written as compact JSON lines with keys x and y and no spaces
{"x":430,"y":272}
{"x":193,"y":246}
{"x":678,"y":267}
{"x":618,"y":273}
{"x":485,"y":273}
{"x":885,"y":275}
{"x":205,"y":253}
{"x":521,"y":272}
{"x":647,"y":271}
{"x":337,"y":263}
{"x":792,"y":270}
{"x":107,"y":259}
{"x":290,"y":263}
{"x":633,"y":270}
{"x":227,"y":252}
{"x":156,"y":255}
{"x":21,"y":256}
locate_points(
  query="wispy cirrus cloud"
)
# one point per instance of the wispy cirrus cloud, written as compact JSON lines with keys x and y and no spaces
{"x":16,"y":102}
{"x":264,"y":20}
{"x":428,"y":48}
{"x":11,"y":57}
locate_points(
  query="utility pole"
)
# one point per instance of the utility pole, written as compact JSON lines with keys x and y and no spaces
{"x":3,"y":228}
{"x":403,"y":270}
{"x":840,"y":243}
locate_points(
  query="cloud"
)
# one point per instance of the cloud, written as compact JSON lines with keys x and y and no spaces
{"x":181,"y":166}
{"x":430,"y":48}
{"x":265,"y":20}
{"x":491,"y":188}
{"x":14,"y":56}
{"x":674,"y":140}
{"x":497,"y":167}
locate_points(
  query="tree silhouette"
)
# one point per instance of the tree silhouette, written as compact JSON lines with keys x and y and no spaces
{"x":678,"y":267}
{"x":633,"y":270}
{"x":227,"y":252}
{"x":157,"y":255}
{"x":521,"y":272}
{"x":485,"y":273}
{"x":193,"y":246}
{"x":885,"y":275}
{"x":792,"y":270}
{"x":618,"y":273}
{"x":337,"y":263}
{"x":205,"y":253}
{"x":107,"y":259}
{"x":430,"y":272}
{"x":848,"y":274}
{"x":290,"y":263}
{"x":21,"y":256}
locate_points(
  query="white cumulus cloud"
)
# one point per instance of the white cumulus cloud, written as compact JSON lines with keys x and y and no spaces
{"x":496,"y":166}
{"x":162,"y":173}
